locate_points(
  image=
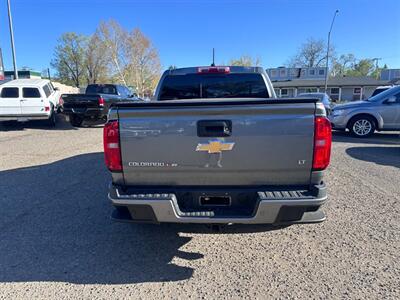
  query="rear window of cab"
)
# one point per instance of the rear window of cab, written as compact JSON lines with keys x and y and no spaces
{"x":195,"y":86}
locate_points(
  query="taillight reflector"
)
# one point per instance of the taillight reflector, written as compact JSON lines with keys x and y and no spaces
{"x":208,"y":70}
{"x":112,"y":151}
{"x":101,"y":101}
{"x":322,"y":143}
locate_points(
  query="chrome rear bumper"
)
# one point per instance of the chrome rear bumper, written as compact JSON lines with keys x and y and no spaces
{"x":271,"y":209}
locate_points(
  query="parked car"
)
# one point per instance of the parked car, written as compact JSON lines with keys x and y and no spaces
{"x":216,"y":146}
{"x":95,"y":103}
{"x":29,"y":99}
{"x":381,"y":89}
{"x":323,"y":97}
{"x":380,"y":112}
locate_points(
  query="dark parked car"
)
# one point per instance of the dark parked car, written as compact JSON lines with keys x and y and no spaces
{"x":322,"y":97}
{"x":95,"y":103}
{"x":380,"y":89}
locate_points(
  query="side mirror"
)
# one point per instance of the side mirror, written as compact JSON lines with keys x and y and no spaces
{"x":390,"y":100}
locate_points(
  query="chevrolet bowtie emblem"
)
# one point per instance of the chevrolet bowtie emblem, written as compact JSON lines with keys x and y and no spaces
{"x":215,"y":146}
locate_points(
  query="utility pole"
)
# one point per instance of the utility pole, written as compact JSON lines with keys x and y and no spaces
{"x":12,"y":40}
{"x":376,"y":59}
{"x":327,"y":52}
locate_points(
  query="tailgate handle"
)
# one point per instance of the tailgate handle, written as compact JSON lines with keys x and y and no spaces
{"x":214,"y":128}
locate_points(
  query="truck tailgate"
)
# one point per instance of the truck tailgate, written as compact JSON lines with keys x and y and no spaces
{"x":80,"y":102}
{"x":266,"y":142}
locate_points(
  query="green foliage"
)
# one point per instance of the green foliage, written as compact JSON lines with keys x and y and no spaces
{"x":348,"y":65}
{"x":246,"y":61}
{"x":364,"y":67}
{"x":341,"y":65}
{"x":69,"y":58}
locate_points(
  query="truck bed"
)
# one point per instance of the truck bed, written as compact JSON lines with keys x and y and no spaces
{"x":183,"y":143}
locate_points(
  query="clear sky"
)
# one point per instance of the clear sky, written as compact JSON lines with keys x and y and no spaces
{"x":185,"y":31}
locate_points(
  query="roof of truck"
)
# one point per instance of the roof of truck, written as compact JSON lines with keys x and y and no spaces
{"x":26,"y":82}
{"x":232,"y":69}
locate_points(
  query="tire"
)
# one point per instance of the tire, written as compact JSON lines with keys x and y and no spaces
{"x":75,"y":121}
{"x":362,"y":126}
{"x":52,"y":120}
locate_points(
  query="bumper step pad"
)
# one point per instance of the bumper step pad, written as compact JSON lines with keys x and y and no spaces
{"x":273,"y":207}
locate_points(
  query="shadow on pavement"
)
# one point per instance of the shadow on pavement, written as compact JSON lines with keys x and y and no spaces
{"x":39,"y":124}
{"x":55,"y":226}
{"x":379,"y":138}
{"x":387,"y":156}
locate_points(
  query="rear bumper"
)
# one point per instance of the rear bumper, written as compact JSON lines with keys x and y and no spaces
{"x":338,"y":122}
{"x":158,"y":208}
{"x":87,"y":112}
{"x":24,"y":118}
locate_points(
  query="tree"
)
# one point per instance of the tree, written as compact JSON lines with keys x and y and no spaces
{"x":311,"y":54}
{"x":377,"y":72}
{"x":69,"y":58}
{"x":364,"y":67}
{"x":96,"y":60}
{"x":245,"y":60}
{"x":111,"y":54}
{"x":144,"y":67}
{"x":114,"y":39}
{"x":343,"y":64}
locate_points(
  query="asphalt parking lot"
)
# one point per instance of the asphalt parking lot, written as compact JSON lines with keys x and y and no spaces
{"x":57,"y":240}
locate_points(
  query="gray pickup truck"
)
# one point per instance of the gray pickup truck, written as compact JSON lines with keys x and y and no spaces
{"x":215,"y":146}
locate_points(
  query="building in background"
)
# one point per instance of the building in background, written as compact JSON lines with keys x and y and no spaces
{"x":289,"y":82}
{"x":285,"y":74}
{"x":390,"y":74}
{"x":22,"y":74}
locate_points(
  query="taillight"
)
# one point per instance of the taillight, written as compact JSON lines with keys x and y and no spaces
{"x":213,"y":70}
{"x":61,"y":101}
{"x":322,"y":143}
{"x":47,"y":108}
{"x":101,"y":101}
{"x":112,"y":151}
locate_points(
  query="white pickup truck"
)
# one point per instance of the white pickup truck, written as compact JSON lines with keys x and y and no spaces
{"x":29,"y":99}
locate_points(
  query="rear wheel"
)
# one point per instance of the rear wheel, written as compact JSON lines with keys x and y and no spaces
{"x":52,"y":120}
{"x":75,"y":120}
{"x":362,"y":126}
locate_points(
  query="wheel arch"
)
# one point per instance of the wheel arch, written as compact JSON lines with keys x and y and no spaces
{"x":373,"y":117}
